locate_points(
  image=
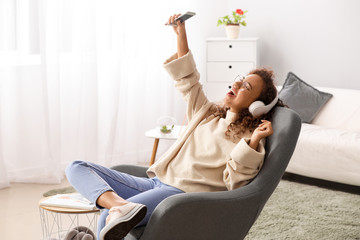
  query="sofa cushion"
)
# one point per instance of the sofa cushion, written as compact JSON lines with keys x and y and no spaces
{"x":300,"y":96}
{"x":342,"y":111}
{"x":327,"y":153}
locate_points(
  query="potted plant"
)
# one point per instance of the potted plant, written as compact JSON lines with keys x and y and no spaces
{"x":166,"y":129}
{"x":166,"y":124}
{"x":232,"y":23}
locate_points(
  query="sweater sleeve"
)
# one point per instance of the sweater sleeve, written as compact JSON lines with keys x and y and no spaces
{"x":244,"y":164}
{"x":183,"y":71}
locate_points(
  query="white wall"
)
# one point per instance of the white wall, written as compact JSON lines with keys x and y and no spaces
{"x":318,"y":40}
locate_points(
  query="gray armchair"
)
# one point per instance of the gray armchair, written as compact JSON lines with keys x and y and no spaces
{"x":222,"y":215}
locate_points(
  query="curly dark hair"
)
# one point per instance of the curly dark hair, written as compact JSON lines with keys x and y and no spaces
{"x":245,"y":121}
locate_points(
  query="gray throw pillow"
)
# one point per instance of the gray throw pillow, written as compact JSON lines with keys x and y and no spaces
{"x":303,"y":98}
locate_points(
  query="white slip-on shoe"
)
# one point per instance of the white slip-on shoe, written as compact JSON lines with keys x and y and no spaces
{"x":121,"y":220}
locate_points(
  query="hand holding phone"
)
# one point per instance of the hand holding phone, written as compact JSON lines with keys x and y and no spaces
{"x":182,"y":18}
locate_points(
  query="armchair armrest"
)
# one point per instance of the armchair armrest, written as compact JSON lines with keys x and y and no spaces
{"x":138,"y":171}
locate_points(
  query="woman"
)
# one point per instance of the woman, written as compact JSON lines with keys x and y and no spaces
{"x":221,"y":149}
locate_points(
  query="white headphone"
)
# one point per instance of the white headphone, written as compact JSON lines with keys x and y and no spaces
{"x":258,"y":108}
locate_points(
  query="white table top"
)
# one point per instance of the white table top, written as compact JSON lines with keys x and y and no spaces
{"x":156,"y":133}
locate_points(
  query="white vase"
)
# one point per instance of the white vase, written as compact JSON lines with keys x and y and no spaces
{"x":232,"y":31}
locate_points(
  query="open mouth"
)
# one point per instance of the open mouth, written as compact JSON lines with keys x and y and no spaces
{"x":231,"y":93}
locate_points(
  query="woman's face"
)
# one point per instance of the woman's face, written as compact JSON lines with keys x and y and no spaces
{"x":244,"y":92}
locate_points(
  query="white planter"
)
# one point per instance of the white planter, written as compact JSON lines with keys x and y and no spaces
{"x":232,"y":31}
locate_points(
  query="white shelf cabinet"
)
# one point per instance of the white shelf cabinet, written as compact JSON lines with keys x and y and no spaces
{"x":225,"y":60}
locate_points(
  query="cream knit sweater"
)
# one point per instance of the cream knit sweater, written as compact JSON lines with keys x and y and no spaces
{"x":203,"y":159}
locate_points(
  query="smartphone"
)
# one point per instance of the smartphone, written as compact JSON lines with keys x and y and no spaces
{"x":182,"y":18}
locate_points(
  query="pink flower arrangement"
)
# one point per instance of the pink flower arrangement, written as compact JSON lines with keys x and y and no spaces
{"x":236,"y":18}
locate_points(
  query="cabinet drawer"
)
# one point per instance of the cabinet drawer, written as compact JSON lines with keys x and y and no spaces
{"x":231,"y":51}
{"x":217,"y":91}
{"x":227,"y":71}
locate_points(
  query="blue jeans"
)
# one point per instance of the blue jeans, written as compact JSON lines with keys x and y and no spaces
{"x":92,"y":180}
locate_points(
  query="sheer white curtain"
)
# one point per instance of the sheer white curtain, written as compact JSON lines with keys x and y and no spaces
{"x":80,"y":80}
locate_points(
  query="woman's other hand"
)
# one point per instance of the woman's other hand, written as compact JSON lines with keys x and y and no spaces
{"x":262,"y":131}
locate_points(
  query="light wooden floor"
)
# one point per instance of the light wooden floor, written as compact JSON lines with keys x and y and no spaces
{"x":19,"y":215}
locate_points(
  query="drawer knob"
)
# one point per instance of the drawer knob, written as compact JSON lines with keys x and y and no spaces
{"x":230,"y":66}
{"x":230,"y":46}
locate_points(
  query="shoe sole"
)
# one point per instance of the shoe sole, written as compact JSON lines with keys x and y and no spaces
{"x":120,"y":227}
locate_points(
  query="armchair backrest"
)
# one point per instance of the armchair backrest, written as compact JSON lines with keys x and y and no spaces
{"x":279,"y":148}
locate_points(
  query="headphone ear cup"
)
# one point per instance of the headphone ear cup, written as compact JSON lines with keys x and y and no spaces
{"x":256,"y":108}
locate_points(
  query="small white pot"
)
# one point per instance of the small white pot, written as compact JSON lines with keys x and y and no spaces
{"x":232,"y":31}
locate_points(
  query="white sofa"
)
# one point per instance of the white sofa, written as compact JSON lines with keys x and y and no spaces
{"x":329,"y":147}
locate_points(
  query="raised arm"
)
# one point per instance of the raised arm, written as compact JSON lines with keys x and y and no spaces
{"x":179,"y":28}
{"x":182,"y":68}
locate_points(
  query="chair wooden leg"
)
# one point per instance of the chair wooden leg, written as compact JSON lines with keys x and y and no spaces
{"x":153,"y":155}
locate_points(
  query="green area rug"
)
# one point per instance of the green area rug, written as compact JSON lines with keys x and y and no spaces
{"x":300,"y":211}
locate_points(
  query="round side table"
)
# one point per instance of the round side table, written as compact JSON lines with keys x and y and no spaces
{"x":56,"y":222}
{"x":157,"y":135}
